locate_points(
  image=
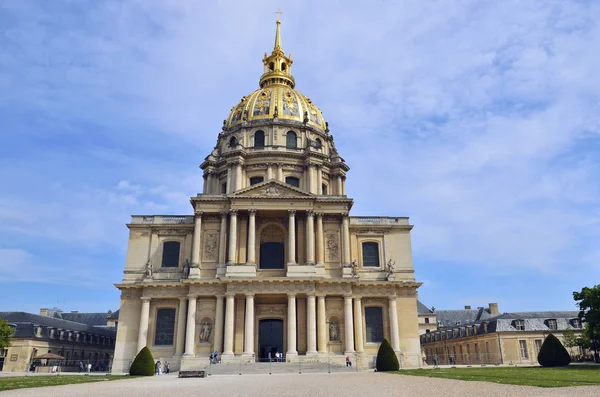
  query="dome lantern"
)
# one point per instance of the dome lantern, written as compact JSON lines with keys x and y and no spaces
{"x":277,"y":67}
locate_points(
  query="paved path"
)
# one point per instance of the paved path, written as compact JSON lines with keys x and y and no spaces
{"x":314,"y":385}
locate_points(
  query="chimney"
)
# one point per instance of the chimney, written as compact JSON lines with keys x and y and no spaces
{"x":494,"y":309}
{"x":44,"y":312}
{"x":467,"y":307}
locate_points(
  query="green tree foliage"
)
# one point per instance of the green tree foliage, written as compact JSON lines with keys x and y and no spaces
{"x":589,"y":304}
{"x":143,"y":364}
{"x":6,"y":334}
{"x":569,"y":338}
{"x":386,"y":358}
{"x":553,"y":353}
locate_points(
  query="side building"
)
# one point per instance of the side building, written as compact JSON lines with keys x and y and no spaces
{"x":75,"y":336}
{"x":483,"y":336}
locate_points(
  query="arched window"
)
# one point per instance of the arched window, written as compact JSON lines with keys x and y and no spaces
{"x":290,"y":180}
{"x":370,"y":254}
{"x":256,"y":179}
{"x":233,"y":142}
{"x":224,"y":188}
{"x":374,"y":324}
{"x":170,"y":257}
{"x":283,"y":66}
{"x":318,"y":143}
{"x":291,"y":140}
{"x":324,"y":188}
{"x":271,"y":66}
{"x":259,"y":139}
{"x":165,"y":327}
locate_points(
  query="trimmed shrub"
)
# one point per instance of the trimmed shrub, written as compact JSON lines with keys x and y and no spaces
{"x":553,"y":353}
{"x":386,"y":358}
{"x":143,"y":364}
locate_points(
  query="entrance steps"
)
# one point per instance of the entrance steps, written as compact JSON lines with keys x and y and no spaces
{"x":243,"y":368}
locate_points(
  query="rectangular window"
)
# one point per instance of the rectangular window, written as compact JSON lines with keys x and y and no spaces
{"x":370,"y":254}
{"x":519,"y":325}
{"x":256,"y":180}
{"x":170,"y":256}
{"x":224,"y":188}
{"x":374,"y":323}
{"x":538,"y":346}
{"x":426,"y":320}
{"x":551,"y":324}
{"x":523,"y":346}
{"x":290,"y":180}
{"x":165,"y":327}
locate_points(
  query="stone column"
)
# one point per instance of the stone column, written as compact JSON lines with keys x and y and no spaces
{"x":348,"y":324}
{"x":319,"y":180}
{"x":229,"y":316}
{"x":232,"y":238}
{"x":249,"y":325}
{"x":218,"y":328}
{"x":358,"y":325}
{"x":394,"y":324}
{"x":346,"y":240}
{"x":344,"y":186}
{"x":180,"y":327}
{"x":292,"y":238}
{"x":320,"y":242}
{"x":338,"y":180}
{"x":251,"y":238}
{"x":269,"y":172}
{"x":310,"y":178}
{"x":238,"y":176}
{"x":229,"y":178}
{"x":322,"y":328}
{"x":204,"y":182}
{"x":190,"y":331}
{"x":310,"y":238}
{"x":280,"y":172}
{"x":143,"y":330}
{"x":311,"y":325}
{"x":209,"y":182}
{"x":222,"y":238}
{"x":196,"y":238}
{"x":291,"y":325}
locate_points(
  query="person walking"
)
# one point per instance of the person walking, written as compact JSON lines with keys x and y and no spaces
{"x":157,"y":368}
{"x":80,"y":367}
{"x":348,"y":362}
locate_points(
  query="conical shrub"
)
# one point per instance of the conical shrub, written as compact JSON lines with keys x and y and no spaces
{"x":143,"y":364}
{"x":553,"y":353}
{"x":386,"y":358}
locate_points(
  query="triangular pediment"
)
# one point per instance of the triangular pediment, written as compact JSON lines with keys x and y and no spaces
{"x":270,"y":189}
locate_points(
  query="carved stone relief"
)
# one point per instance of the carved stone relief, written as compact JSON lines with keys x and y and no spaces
{"x":272,"y":234}
{"x":211,"y":243}
{"x":174,"y":232}
{"x":270,"y":310}
{"x":332,"y":245}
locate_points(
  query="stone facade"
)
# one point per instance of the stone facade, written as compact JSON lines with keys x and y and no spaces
{"x":270,"y":239}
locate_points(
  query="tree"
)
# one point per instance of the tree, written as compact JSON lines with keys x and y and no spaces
{"x":553,"y":353}
{"x":588,"y":301}
{"x":6,"y":334}
{"x":569,"y":338}
{"x":143,"y":363}
{"x":386,"y":358}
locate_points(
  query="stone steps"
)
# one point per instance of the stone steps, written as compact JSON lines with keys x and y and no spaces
{"x":274,"y":368}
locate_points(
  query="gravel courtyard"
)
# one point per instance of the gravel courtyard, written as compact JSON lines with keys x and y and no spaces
{"x":313,"y":385}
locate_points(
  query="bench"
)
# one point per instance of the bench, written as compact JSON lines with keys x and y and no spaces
{"x":192,"y":374}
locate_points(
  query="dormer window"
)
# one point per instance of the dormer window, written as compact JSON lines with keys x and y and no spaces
{"x":233,"y":142}
{"x":575,"y":323}
{"x":551,"y":324}
{"x":290,"y":180}
{"x":485,"y":327}
{"x":519,"y":325}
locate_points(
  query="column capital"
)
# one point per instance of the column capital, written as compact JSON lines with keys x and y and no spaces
{"x":198,"y":215}
{"x":291,"y":295}
{"x":252,"y":211}
{"x":310,"y":213}
{"x":192,"y":296}
{"x":145,"y":298}
{"x":249,"y":295}
{"x":345,"y":215}
{"x":392,"y":297}
{"x":182,"y":298}
{"x":230,"y":294}
{"x":348,"y":295}
{"x":357,"y":298}
{"x":319,"y":214}
{"x":321,"y":295}
{"x":292,"y":212}
{"x":233,"y":212}
{"x":224,"y":214}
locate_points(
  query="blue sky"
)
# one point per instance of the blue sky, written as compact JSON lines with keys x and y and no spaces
{"x":478,"y":119}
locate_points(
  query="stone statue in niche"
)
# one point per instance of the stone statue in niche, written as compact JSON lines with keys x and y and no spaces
{"x":334,"y":331}
{"x":186,"y":269}
{"x":354,"y":266}
{"x":149,"y":268}
{"x":205,"y":330}
{"x":390,"y":267}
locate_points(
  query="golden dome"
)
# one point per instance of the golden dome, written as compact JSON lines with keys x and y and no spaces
{"x":277,"y":98}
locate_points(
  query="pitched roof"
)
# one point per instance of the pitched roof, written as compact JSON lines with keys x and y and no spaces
{"x":83,"y":318}
{"x":452,"y":318}
{"x":25,"y":323}
{"x":422,"y":309}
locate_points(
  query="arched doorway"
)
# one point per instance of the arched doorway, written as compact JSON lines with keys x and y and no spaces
{"x":272,"y":248}
{"x":270,"y":338}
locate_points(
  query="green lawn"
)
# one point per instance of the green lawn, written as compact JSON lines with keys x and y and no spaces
{"x":579,"y":375}
{"x":21,"y":382}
